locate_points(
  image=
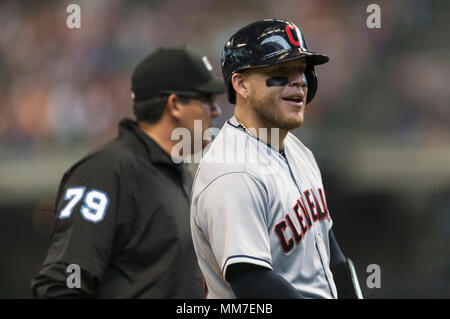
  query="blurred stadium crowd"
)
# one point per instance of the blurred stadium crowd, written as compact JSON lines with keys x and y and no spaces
{"x":383,"y":89}
{"x":60,"y":85}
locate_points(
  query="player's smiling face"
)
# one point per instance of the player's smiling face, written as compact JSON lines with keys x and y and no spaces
{"x":277,"y":93}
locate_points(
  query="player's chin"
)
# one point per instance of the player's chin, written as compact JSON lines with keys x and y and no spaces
{"x":293,"y":119}
{"x":295,"y":122}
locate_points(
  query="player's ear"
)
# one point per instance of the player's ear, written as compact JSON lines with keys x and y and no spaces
{"x":239,"y":85}
{"x":172,"y":106}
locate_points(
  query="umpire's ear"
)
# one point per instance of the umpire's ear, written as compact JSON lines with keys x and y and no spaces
{"x":239,"y":85}
{"x":172,"y":106}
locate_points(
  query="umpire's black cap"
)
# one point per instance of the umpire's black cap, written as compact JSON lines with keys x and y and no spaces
{"x":183,"y":70}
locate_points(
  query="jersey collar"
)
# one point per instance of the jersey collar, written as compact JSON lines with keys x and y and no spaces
{"x":234,"y":123}
{"x":155,"y":152}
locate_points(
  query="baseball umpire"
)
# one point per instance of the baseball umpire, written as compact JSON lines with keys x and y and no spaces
{"x":259,"y":217}
{"x":122,"y":212}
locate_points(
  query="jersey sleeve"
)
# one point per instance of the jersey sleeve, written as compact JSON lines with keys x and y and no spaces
{"x":232,"y":212}
{"x":85,"y":216}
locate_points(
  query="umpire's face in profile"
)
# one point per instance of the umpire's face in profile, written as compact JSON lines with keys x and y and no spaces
{"x":277,"y":93}
{"x":190,"y":109}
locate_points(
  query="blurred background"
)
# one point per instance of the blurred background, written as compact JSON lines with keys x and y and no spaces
{"x":378,"y":126}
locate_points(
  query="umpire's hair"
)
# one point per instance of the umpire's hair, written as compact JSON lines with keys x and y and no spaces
{"x":151,"y":110}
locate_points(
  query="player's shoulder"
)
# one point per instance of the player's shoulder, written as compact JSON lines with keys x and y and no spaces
{"x":296,"y":145}
{"x":229,"y":153}
{"x":302,"y":153}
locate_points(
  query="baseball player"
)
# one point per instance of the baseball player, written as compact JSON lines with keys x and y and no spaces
{"x":260,"y":221}
{"x":122,"y":212}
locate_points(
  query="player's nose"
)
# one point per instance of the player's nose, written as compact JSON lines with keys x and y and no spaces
{"x":298,"y":79}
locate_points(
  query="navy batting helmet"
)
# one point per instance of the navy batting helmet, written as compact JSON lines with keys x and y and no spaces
{"x":265,"y":43}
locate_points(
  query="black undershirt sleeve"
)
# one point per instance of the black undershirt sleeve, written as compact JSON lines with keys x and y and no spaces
{"x":250,"y":281}
{"x":340,"y":269}
{"x":336,"y":254}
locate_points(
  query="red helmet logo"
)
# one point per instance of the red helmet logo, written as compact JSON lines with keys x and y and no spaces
{"x":291,"y":37}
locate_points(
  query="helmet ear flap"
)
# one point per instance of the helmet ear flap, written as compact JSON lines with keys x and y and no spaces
{"x":311,"y":78}
{"x":230,"y":92}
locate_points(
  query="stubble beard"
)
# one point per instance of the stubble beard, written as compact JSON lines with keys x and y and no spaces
{"x":268,"y":110}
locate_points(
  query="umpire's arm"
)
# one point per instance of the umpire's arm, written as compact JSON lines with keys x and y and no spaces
{"x":51,"y":282}
{"x":83,"y":232}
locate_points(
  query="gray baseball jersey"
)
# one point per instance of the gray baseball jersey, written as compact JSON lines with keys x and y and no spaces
{"x":253,"y":204}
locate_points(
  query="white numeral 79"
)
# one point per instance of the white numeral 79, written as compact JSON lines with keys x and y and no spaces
{"x":94,"y":207}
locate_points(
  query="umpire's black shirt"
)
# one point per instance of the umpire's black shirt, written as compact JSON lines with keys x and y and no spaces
{"x":122,"y":216}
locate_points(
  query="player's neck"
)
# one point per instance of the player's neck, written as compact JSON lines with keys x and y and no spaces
{"x":264,"y":131}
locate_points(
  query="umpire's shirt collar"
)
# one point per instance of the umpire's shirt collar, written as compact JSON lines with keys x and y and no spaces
{"x":154,"y":151}
{"x":128,"y":129}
